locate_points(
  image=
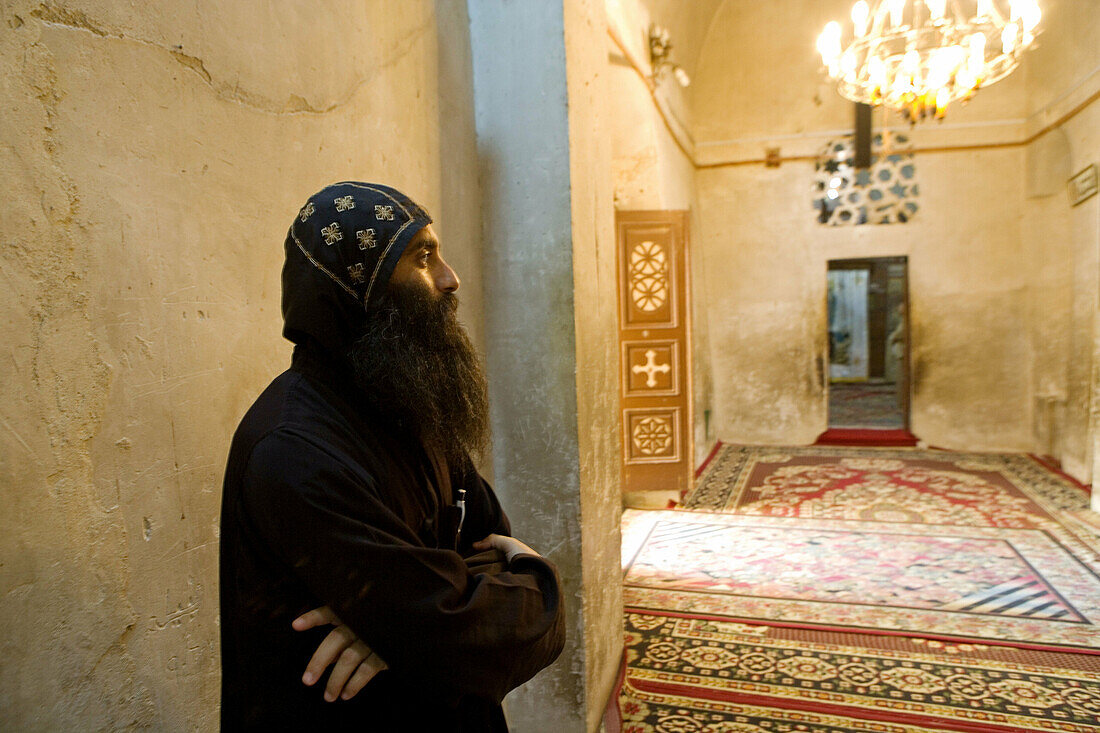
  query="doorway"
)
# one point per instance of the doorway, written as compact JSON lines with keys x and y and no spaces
{"x":868,"y":343}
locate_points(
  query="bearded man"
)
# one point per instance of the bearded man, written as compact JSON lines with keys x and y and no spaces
{"x":350,"y":490}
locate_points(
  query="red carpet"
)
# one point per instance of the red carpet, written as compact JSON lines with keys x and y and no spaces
{"x":867,"y":437}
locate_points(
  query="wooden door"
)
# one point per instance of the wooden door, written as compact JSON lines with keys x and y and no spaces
{"x":654,"y":350}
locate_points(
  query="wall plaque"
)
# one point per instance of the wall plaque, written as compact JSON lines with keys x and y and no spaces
{"x":1082,"y":185}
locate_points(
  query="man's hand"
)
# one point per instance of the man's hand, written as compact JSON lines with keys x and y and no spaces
{"x":355,"y":663}
{"x":510,"y":546}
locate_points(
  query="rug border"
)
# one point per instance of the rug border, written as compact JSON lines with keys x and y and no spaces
{"x":840,"y":710}
{"x":840,"y":629}
{"x":1086,"y":489}
{"x":706,"y":461}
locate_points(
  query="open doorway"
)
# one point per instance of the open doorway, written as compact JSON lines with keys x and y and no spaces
{"x":868,"y":344}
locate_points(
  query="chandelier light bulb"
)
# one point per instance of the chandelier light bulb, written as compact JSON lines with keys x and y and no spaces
{"x":911,"y":62}
{"x":939,"y":69}
{"x":876,"y":80}
{"x":1008,"y":38}
{"x":1031,"y":15}
{"x":943,"y":98}
{"x":1014,"y":10}
{"x":956,"y":56}
{"x":901,"y":85}
{"x":965,"y":80}
{"x":861,"y":12}
{"x":936,"y":8}
{"x":977,"y":55}
{"x":828,"y":43}
{"x":985,"y":9}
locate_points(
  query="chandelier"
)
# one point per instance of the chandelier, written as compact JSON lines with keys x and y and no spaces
{"x":917,"y":57}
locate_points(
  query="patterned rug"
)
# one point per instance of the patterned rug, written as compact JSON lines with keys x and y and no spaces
{"x":824,"y":589}
{"x":972,"y":584}
{"x":864,"y":406}
{"x":689,"y":674}
{"x":900,"y":485}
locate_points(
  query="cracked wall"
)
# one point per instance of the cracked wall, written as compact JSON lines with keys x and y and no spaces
{"x":153,"y":159}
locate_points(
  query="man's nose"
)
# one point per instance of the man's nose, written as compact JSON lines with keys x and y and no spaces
{"x":446,"y":281}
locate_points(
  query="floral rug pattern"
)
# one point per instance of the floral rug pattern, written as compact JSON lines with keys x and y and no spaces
{"x":899,"y":485}
{"x":685,"y":674}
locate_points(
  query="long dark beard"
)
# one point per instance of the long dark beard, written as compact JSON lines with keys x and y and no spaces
{"x":417,"y":366}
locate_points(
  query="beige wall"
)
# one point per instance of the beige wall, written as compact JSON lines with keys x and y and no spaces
{"x":1062,"y":240}
{"x":988,"y":281}
{"x":596,"y":323}
{"x":152,"y":160}
{"x":766,"y":260}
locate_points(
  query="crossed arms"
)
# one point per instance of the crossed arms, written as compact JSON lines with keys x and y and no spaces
{"x":353,"y":663}
{"x":392,"y":601}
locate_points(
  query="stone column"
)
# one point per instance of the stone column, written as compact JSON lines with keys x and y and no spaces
{"x":550,"y":326}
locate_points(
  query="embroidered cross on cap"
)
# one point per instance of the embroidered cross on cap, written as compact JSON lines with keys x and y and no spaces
{"x":352,"y":234}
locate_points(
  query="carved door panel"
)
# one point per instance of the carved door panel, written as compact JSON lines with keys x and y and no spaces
{"x":654,"y":350}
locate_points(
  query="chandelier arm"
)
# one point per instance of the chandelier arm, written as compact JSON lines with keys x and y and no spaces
{"x":960,"y":19}
{"x":917,"y":5}
{"x":999,"y":21}
{"x":880,"y":19}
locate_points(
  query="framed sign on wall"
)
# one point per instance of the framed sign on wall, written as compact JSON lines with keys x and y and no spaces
{"x":1082,"y":185}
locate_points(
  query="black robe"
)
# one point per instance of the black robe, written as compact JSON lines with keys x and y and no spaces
{"x":311,"y":516}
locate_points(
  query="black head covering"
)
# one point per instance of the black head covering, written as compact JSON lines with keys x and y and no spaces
{"x":340,"y":254}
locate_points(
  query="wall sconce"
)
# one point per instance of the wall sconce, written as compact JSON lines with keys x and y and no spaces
{"x":660,"y":48}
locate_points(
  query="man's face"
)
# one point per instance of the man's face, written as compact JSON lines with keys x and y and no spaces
{"x":422,"y":267}
{"x":415,"y":361}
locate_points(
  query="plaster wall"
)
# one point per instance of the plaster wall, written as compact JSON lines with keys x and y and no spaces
{"x":548,"y":466}
{"x":1063,"y":240}
{"x":596,"y":323}
{"x":975,"y":254}
{"x":766,"y":259}
{"x":153,"y":157}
